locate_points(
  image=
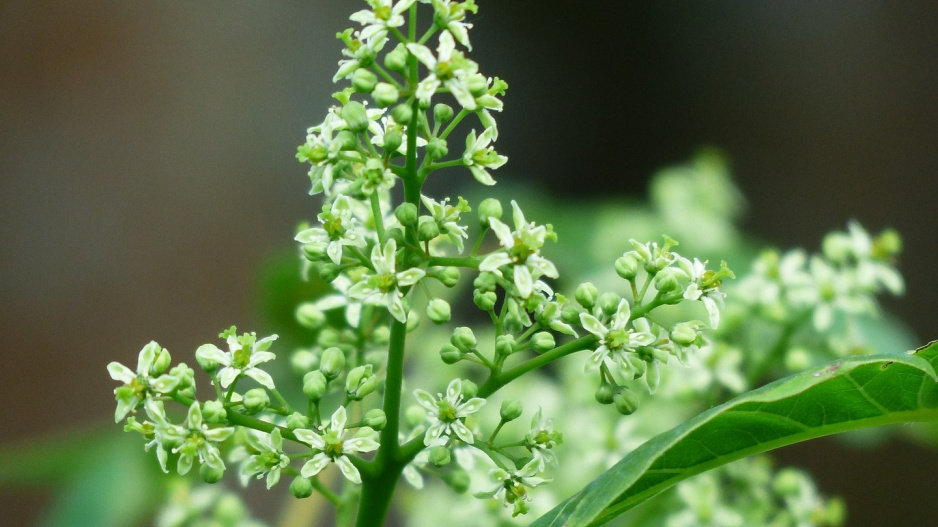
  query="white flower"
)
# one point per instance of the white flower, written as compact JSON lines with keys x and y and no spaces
{"x":338,"y":230}
{"x":449,"y":68}
{"x":446,"y":217}
{"x":270,"y":458}
{"x":141,"y":384}
{"x":379,"y":128}
{"x":512,"y":486}
{"x":521,"y":248}
{"x":447,"y":413}
{"x":480,"y":157}
{"x":617,"y":343}
{"x":453,"y":14}
{"x":334,"y":448}
{"x":367,"y":49}
{"x":541,"y":440}
{"x":322,"y":152}
{"x":382,"y":288}
{"x":383,"y":15}
{"x":243,"y":355}
{"x":197,"y":439}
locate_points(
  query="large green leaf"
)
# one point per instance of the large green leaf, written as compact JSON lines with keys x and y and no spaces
{"x":845,"y":395}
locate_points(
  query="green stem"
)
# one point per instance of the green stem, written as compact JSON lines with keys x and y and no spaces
{"x":379,"y":219}
{"x":472,"y":263}
{"x":497,"y":380}
{"x":452,"y":125}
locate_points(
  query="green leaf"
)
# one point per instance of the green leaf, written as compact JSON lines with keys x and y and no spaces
{"x":844,"y":395}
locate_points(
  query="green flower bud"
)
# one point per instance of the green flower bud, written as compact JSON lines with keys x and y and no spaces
{"x":477,"y":84}
{"x":328,"y":272}
{"x":375,"y":418}
{"x":315,"y":385}
{"x":450,"y":354}
{"x":396,"y":234}
{"x":355,"y":116}
{"x":396,"y":59}
{"x":489,"y":208}
{"x":229,"y":509}
{"x":609,"y":303}
{"x":161,"y":363}
{"x":256,"y":400}
{"x":458,"y":480}
{"x":469,"y":389}
{"x":504,"y":345}
{"x":381,"y":335}
{"x":427,"y":229}
{"x":510,"y":410}
{"x":627,"y":265}
{"x":442,"y":113}
{"x":448,"y":276}
{"x":413,"y":318}
{"x":438,"y":311}
{"x":414,"y":415}
{"x":346,"y":140}
{"x":207,"y":365}
{"x":402,"y":113}
{"x":684,"y":333}
{"x":310,"y":316}
{"x":314,"y":252}
{"x":301,"y":487}
{"x":360,"y":382}
{"x":213,"y":412}
{"x":392,"y":142}
{"x":542,"y":341}
{"x":605,"y":393}
{"x":586,"y":295}
{"x":570,"y":314}
{"x":332,"y":362}
{"x":328,"y":337}
{"x":835,"y":513}
{"x":463,"y":339}
{"x":303,"y":361}
{"x":437,"y":148}
{"x":364,"y":81}
{"x":211,"y":475}
{"x":837,"y":247}
{"x":406,"y":213}
{"x":666,"y":280}
{"x":485,"y":301}
{"x":385,"y":94}
{"x":625,"y":401}
{"x":440,"y":456}
{"x":887,"y":245}
{"x":297,"y":420}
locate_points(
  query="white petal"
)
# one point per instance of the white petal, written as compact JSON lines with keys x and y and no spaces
{"x":492,"y":262}
{"x":462,"y":432}
{"x":423,"y":54}
{"x":310,"y":438}
{"x":226,"y":376}
{"x":592,"y":324}
{"x":121,"y":373}
{"x":481,"y":175}
{"x":523,"y":281}
{"x":410,"y":276}
{"x":212,"y":353}
{"x":348,"y":469}
{"x":262,"y":377}
{"x":470,"y":407}
{"x":315,"y":465}
{"x":339,"y":418}
{"x":426,"y":400}
{"x":360,"y":444}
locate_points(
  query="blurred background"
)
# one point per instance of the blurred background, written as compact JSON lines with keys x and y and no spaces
{"x":147,"y":169}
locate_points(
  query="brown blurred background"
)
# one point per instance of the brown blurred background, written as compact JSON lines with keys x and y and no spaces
{"x":147,"y":170}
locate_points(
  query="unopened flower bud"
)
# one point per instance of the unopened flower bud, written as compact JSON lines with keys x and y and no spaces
{"x":469,"y":389}
{"x":297,"y":420}
{"x":328,"y":272}
{"x":684,"y":333}
{"x":788,"y":482}
{"x":314,"y":385}
{"x":887,"y":245}
{"x":427,"y":229}
{"x":213,"y":412}
{"x":510,"y":410}
{"x":310,"y":316}
{"x":301,"y":487}
{"x":332,"y":362}
{"x":450,"y":354}
{"x":211,"y":475}
{"x":438,"y":311}
{"x":414,"y":415}
{"x":625,"y":401}
{"x":256,"y":400}
{"x":448,"y":276}
{"x":328,"y":337}
{"x":442,"y":113}
{"x":385,"y":94}
{"x":570,"y":314}
{"x":463,"y":339}
{"x":392,"y":141}
{"x":489,"y":208}
{"x":440,"y":456}
{"x":605,"y":393}
{"x":314,"y":252}
{"x":396,"y":59}
{"x":627,"y":265}
{"x":458,"y":480}
{"x":346,"y":140}
{"x":485,"y":301}
{"x":477,"y":84}
{"x":667,"y":280}
{"x":504,"y":345}
{"x":437,"y":148}
{"x":402,"y":113}
{"x":406,"y":213}
{"x":161,"y":363}
{"x":609,"y":303}
{"x":375,"y":418}
{"x":355,"y":116}
{"x":586,"y":295}
{"x":360,"y":382}
{"x":207,"y":364}
{"x":364,"y":81}
{"x":542,"y":341}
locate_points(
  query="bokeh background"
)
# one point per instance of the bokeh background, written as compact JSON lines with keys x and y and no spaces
{"x":147,"y":170}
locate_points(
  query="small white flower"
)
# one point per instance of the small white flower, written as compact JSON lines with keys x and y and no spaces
{"x":448,"y":68}
{"x":269,"y":459}
{"x":198,"y":440}
{"x":617,"y":342}
{"x":332,"y":447}
{"x":383,"y":15}
{"x":243,"y":355}
{"x":479,"y":157}
{"x":338,"y":230}
{"x":141,"y":384}
{"x":383,"y":287}
{"x":446,"y":217}
{"x":379,"y":128}
{"x":367,"y":49}
{"x":521,"y":252}
{"x":541,"y":440}
{"x":447,"y":413}
{"x":511,"y":487}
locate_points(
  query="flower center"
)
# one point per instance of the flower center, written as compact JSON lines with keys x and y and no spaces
{"x":333,"y":447}
{"x":385,"y":282}
{"x":447,"y":411}
{"x":241,"y":358}
{"x":617,"y":339}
